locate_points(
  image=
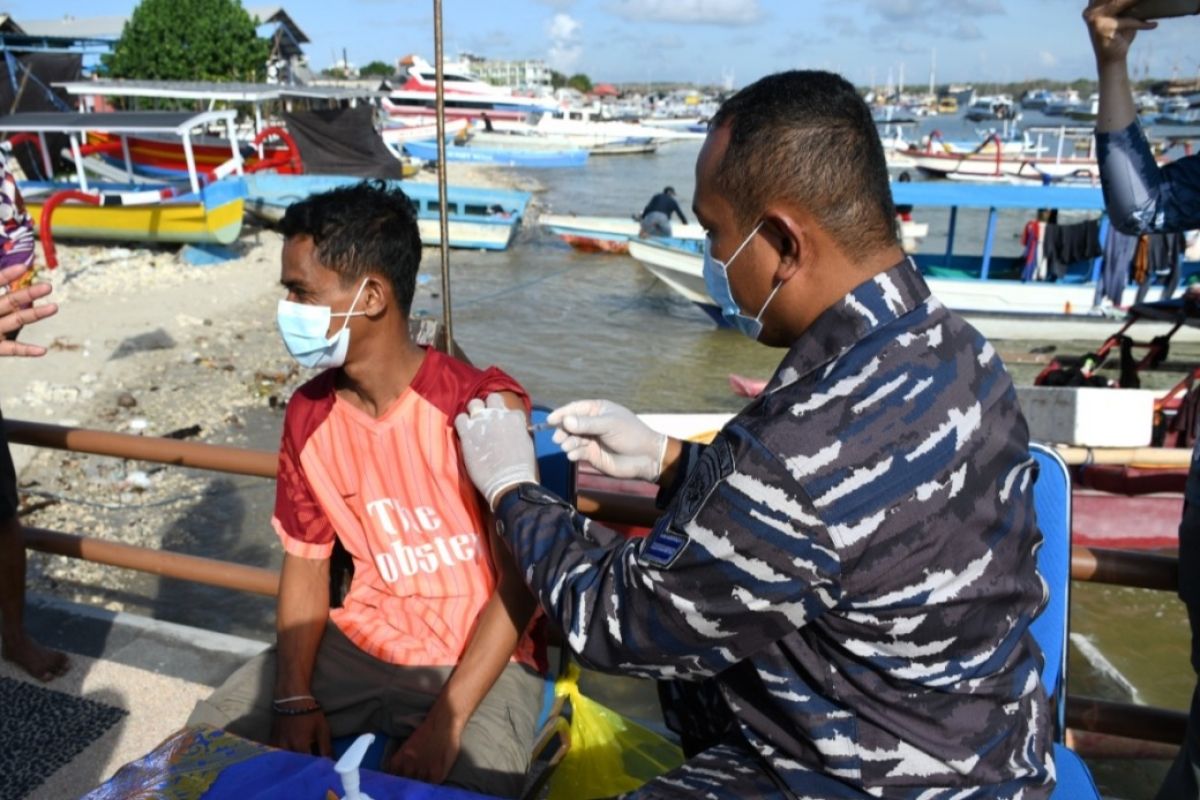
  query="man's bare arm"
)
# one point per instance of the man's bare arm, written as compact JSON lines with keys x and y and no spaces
{"x":302,"y":611}
{"x":429,"y":754}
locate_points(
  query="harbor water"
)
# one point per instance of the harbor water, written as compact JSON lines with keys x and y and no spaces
{"x":570,"y":325}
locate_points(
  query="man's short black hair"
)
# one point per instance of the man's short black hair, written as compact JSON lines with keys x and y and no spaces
{"x":669,"y":190}
{"x":361,"y":228}
{"x":807,"y":136}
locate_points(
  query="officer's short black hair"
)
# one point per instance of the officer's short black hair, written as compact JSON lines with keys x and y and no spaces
{"x":669,"y":190}
{"x":362,"y":228}
{"x":808,"y":137}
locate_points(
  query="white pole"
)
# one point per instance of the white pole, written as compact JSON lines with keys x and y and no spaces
{"x":79,"y":170}
{"x":237,"y":156}
{"x":191,"y":162}
{"x":46,"y":156}
{"x":128,"y":158}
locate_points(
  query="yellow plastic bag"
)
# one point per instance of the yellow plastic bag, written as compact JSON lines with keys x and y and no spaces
{"x":609,"y":754}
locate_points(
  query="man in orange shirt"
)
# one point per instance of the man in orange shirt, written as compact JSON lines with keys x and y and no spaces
{"x":432,"y":644}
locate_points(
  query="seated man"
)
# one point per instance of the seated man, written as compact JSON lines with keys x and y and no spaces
{"x":432,"y":644}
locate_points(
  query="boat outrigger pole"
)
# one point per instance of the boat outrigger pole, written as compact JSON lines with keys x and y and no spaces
{"x":443,"y":221}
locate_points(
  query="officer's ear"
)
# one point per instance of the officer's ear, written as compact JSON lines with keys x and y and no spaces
{"x":787,"y":234}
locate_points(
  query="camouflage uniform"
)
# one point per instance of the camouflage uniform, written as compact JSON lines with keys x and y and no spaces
{"x":1143,"y":198}
{"x":850,"y":564}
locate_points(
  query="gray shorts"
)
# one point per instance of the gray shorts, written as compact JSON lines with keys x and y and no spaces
{"x":360,"y":694}
{"x":656,"y":223}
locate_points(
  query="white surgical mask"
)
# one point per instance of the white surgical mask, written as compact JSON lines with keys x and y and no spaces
{"x":716,"y":279}
{"x":304,"y":328}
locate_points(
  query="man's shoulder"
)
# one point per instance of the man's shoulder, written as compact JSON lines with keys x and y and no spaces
{"x":449,"y":384}
{"x":920,"y":378}
{"x":308,"y":407}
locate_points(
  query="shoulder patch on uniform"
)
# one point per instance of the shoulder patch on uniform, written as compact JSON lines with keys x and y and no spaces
{"x":714,"y":465}
{"x":663,"y":546}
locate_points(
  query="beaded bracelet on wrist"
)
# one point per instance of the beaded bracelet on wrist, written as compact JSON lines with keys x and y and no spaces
{"x":295,"y":712}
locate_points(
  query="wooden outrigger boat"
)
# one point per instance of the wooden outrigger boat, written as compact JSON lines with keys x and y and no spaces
{"x":606,"y":234}
{"x":478,"y":219}
{"x":120,"y":206}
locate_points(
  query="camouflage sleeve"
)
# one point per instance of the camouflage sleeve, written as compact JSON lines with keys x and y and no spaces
{"x":738,"y":560}
{"x":1142,"y":197}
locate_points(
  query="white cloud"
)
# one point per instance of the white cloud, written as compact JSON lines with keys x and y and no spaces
{"x":565,"y":49}
{"x":1047,"y":59}
{"x":710,"y":12}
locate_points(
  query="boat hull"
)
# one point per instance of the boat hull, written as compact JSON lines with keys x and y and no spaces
{"x":213,"y":217}
{"x":606,"y":234}
{"x":471,"y":226}
{"x":530,"y":159}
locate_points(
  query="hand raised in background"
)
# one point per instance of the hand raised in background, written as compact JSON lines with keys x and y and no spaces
{"x":19,"y":308}
{"x":1113,"y":29}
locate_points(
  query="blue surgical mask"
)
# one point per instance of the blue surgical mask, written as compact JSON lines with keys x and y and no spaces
{"x":716,"y":279}
{"x":304,"y":328}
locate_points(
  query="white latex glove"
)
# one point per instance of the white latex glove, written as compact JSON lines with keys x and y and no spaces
{"x":610,"y":437}
{"x":496,"y":447}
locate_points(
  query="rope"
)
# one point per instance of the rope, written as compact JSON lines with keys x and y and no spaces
{"x":515,"y":287}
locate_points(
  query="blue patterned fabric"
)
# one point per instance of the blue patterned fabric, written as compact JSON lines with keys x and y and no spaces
{"x":850,"y":562}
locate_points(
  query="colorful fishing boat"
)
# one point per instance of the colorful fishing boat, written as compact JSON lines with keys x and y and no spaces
{"x":104,"y":202}
{"x":606,"y":234}
{"x":479,"y":219}
{"x":984,"y":287}
{"x":498,"y":157}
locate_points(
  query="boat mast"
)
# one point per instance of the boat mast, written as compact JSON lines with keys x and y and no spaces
{"x":443,"y":221}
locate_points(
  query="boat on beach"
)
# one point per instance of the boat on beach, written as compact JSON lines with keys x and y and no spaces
{"x":479,"y":219}
{"x":469,"y":153}
{"x":607,"y":234}
{"x":103,"y":202}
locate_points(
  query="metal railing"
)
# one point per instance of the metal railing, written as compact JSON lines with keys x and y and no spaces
{"x":1096,"y":565}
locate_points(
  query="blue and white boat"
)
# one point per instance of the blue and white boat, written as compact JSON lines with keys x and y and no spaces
{"x":479,"y":219}
{"x":984,"y":287}
{"x":426,"y":150}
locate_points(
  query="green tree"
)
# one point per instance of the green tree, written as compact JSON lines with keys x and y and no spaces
{"x":580,"y":82}
{"x":377,"y":68}
{"x":557,"y":79}
{"x":207,"y":40}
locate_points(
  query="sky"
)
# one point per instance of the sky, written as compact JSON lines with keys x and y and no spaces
{"x":709,"y":41}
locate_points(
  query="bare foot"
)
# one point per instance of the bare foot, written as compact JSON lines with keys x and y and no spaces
{"x":40,"y":662}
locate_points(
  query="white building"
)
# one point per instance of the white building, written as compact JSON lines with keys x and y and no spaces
{"x":527,"y":74}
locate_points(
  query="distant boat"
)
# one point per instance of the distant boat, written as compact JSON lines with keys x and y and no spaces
{"x":607,"y":234}
{"x":496,"y":156}
{"x":466,"y":97}
{"x":980,"y":287}
{"x":479,"y":219}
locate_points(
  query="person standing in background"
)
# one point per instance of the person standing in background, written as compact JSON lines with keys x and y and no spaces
{"x":18,"y":308}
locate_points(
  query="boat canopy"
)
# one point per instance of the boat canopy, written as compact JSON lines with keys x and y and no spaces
{"x":121,"y":122}
{"x":219,"y":92}
{"x":953,"y":194}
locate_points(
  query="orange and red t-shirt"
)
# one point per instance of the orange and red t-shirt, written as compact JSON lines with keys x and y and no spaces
{"x":395,"y":491}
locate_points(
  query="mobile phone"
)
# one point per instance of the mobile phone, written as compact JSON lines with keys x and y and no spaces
{"x":1158,"y":9}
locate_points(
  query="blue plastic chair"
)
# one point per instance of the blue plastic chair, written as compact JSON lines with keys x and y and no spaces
{"x":1052,"y":504}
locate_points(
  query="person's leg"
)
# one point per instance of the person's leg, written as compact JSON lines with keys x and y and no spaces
{"x":497,"y":740}
{"x":348,"y":683}
{"x":1183,"y":779}
{"x":15,"y":644}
